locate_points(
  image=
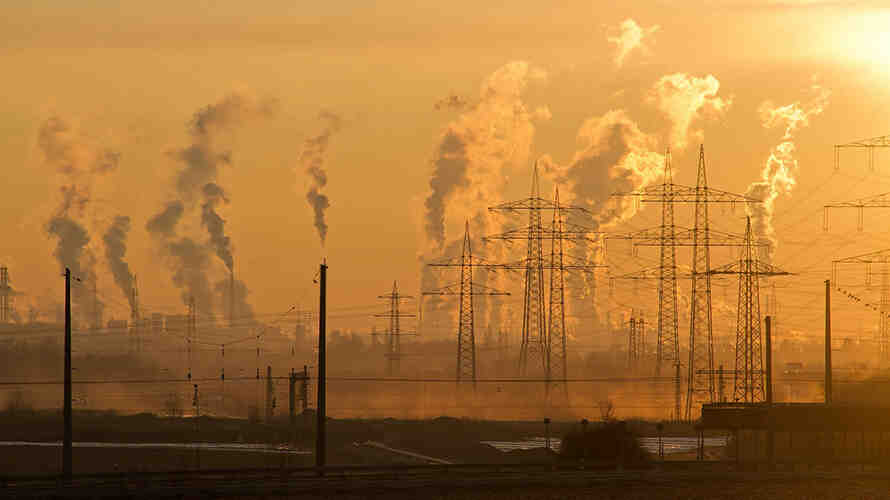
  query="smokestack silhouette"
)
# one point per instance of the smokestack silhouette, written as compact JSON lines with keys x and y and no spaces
{"x":231,"y":298}
{"x":216,"y":225}
{"x":312,"y":158}
{"x":115,"y":240}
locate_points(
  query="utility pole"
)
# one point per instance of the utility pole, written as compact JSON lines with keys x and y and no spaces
{"x":827,"y":342}
{"x":321,"y":437}
{"x":270,"y":397}
{"x":68,"y":434}
{"x":190,"y":333}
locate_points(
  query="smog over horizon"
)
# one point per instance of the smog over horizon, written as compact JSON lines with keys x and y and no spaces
{"x":496,"y":213}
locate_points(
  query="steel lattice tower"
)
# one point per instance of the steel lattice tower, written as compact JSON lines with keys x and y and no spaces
{"x":749,"y":349}
{"x":748,"y":386}
{"x":4,"y":295}
{"x":466,"y":289}
{"x":557,"y":366}
{"x":668,"y":343}
{"x":701,"y":346}
{"x":701,"y":238}
{"x":395,"y":333}
{"x":533,"y":346}
{"x":466,"y":338}
{"x":881,"y":257}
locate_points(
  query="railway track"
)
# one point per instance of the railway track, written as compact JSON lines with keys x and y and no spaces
{"x":364,"y":480}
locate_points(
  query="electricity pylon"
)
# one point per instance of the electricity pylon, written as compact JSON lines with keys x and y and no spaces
{"x":881,"y":257}
{"x":636,"y":339}
{"x":534,"y":343}
{"x":395,"y":333}
{"x":700,"y":367}
{"x":554,"y":340}
{"x":868,"y":144}
{"x":748,"y":386}
{"x":877,"y":201}
{"x":466,"y":289}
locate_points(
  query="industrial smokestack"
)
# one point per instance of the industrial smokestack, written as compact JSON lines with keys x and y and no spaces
{"x":231,"y":298}
{"x":115,"y":240}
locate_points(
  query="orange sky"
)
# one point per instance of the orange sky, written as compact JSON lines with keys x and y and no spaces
{"x":131,"y":76}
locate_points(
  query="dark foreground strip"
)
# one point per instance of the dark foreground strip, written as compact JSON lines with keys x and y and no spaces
{"x":363,"y":480}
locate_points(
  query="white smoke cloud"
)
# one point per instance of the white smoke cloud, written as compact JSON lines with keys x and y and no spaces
{"x":477,"y":148}
{"x":779,"y":174}
{"x":630,"y":36}
{"x":684,"y":99}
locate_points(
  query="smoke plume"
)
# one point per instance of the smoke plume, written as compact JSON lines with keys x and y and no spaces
{"x":684,"y":98}
{"x":630,"y":36}
{"x":115,"y":239}
{"x":476,"y":148}
{"x":616,"y":156}
{"x":163,"y":223}
{"x":190,"y":263}
{"x":312,"y":159}
{"x":453,"y":102}
{"x":203,"y":158}
{"x":215,"y":225}
{"x":79,"y":164}
{"x":200,"y":162}
{"x":779,"y":174}
{"x":243,"y":310}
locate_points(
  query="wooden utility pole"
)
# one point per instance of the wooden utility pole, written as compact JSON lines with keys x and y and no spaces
{"x":320,"y":437}
{"x":68,"y":436}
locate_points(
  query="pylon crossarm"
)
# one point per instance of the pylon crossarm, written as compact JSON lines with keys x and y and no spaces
{"x":878,"y":201}
{"x":756,"y":267}
{"x":454,"y":289}
{"x":473,"y":261}
{"x":684,"y":236}
{"x":879,"y":257}
{"x":536,"y":203}
{"x":569,"y":232}
{"x":652,"y":273}
{"x":879,"y":142}
{"x":678,"y":193}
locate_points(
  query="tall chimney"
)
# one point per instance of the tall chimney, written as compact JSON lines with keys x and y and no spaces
{"x":231,"y":298}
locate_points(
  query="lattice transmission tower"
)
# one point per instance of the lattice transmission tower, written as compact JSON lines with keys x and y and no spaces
{"x":868,"y":145}
{"x":465,"y":289}
{"x":876,"y":201}
{"x":882,"y":258}
{"x":748,"y":384}
{"x":700,"y":366}
{"x":395,"y":333}
{"x":534,"y":347}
